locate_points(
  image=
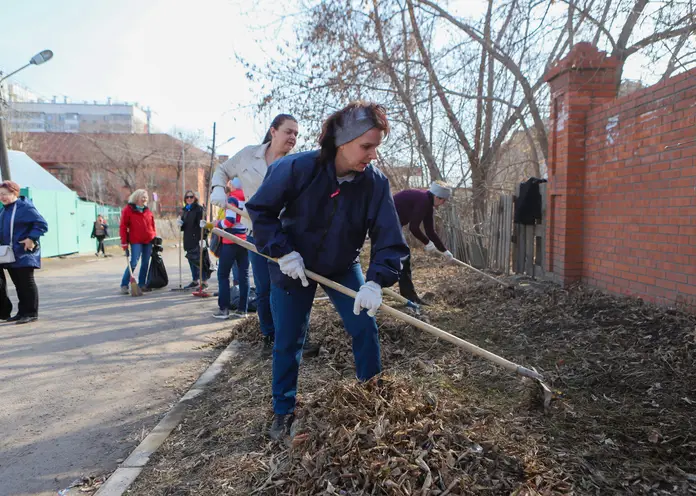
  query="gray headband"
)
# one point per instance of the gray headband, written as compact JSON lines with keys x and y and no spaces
{"x":440,"y":191}
{"x":355,"y":123}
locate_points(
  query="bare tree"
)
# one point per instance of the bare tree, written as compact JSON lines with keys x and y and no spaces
{"x":468,"y":104}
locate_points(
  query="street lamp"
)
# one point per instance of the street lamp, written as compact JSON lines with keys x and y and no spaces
{"x":38,"y":59}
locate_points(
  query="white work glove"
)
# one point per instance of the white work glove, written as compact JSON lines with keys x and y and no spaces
{"x":202,"y":224}
{"x":448,"y":255}
{"x":218,"y":197}
{"x":369,"y":297}
{"x":179,"y":222}
{"x":429,"y":247}
{"x":292,"y":266}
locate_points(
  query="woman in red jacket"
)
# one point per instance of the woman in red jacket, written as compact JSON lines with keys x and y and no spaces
{"x":138,"y":230}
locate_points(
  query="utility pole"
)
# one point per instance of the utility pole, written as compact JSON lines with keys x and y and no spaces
{"x":4,"y":160}
{"x":209,"y":177}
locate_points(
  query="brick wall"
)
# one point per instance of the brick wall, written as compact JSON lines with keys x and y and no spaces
{"x":622,"y":181}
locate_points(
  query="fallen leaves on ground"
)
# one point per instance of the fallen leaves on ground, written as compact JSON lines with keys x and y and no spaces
{"x":441,"y":422}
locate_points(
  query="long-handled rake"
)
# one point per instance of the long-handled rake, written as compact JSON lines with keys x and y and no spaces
{"x":480,"y":272}
{"x":472,"y":348}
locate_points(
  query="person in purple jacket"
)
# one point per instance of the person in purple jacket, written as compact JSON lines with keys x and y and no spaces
{"x":416,"y":207}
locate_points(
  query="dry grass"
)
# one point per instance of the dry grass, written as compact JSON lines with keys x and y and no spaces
{"x":442,"y":422}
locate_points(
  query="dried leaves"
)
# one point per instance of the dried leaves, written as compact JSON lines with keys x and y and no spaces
{"x":440,"y":422}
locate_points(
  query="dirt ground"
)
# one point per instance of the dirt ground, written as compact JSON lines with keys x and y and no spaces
{"x":441,"y":422}
{"x":83,"y":385}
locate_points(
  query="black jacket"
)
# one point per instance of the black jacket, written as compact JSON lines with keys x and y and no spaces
{"x":191,"y":228}
{"x":528,"y":203}
{"x":104,"y":226}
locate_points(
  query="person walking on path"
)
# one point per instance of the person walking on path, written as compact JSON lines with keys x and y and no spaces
{"x":232,"y":254}
{"x":416,"y":207}
{"x":21,"y":226}
{"x":100,"y":231}
{"x":330,"y":200}
{"x":250,"y":166}
{"x":191,"y":216}
{"x":137,"y":230}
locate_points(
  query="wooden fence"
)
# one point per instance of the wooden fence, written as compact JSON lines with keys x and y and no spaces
{"x":516,"y":248}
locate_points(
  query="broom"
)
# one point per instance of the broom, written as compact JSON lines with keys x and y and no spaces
{"x":134,"y":288}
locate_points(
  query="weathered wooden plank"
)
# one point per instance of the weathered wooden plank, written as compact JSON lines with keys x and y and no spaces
{"x":504,"y":229}
{"x":541,"y":234}
{"x":507,"y":238}
{"x":521,"y":243}
{"x":498,"y":227}
{"x":529,"y":250}
{"x":496,"y":235}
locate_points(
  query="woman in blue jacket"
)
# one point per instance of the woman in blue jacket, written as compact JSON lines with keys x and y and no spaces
{"x":314,"y":210}
{"x":21,"y":226}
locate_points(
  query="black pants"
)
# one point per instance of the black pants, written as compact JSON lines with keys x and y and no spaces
{"x":27,"y":292}
{"x":406,"y":287}
{"x":100,"y":245}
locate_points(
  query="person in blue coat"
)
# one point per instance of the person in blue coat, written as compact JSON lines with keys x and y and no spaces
{"x":21,"y":226}
{"x":314,"y":210}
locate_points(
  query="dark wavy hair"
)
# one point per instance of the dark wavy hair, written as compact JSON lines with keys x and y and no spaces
{"x":277,"y":122}
{"x":327,"y":138}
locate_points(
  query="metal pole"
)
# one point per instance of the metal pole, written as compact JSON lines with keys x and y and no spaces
{"x":14,"y":72}
{"x":183,"y":192}
{"x":209,"y":177}
{"x":4,"y":160}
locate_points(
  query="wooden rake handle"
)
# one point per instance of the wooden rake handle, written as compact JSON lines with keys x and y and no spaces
{"x":459,"y":262}
{"x":472,"y":348}
{"x":386,"y":291}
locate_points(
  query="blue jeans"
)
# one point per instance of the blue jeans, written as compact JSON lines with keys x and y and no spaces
{"x":291,"y":310}
{"x":142,"y":252}
{"x":259,"y":265}
{"x":229,"y":255}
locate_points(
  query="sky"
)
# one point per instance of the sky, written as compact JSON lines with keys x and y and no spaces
{"x":176,"y":56}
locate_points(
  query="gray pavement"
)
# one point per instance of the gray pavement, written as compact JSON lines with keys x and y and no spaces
{"x":83,"y":385}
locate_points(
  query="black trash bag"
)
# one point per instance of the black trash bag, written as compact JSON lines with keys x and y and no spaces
{"x":157,"y":274}
{"x":195,"y":256}
{"x":234,"y":299}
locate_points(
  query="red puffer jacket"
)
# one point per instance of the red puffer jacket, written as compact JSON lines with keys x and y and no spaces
{"x":137,"y":227}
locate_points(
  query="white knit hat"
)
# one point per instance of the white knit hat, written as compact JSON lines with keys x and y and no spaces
{"x":441,"y":189}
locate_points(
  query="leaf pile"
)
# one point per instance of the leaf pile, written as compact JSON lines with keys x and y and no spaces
{"x":390,"y":437}
{"x":442,"y":422}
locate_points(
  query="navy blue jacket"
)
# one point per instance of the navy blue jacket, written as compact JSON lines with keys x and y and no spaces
{"x":28,"y":223}
{"x":301,"y":207}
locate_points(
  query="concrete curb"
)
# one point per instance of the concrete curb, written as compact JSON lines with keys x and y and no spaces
{"x":119,"y":482}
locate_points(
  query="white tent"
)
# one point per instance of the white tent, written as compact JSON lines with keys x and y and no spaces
{"x":28,"y":173}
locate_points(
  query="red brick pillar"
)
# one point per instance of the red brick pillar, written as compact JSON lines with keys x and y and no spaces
{"x":581,"y":80}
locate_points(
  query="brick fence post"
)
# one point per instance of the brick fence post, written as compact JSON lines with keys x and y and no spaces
{"x":581,"y":80}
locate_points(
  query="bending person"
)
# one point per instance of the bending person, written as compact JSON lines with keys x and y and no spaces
{"x":330,"y":200}
{"x":250,"y":166}
{"x":416,"y":207}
